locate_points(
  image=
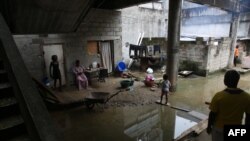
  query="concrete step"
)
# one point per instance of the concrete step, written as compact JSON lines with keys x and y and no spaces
{"x":1,"y":64}
{"x":3,"y":76}
{"x":8,"y":107}
{"x":5,"y":102}
{"x":11,"y":127}
{"x":7,"y":92}
{"x":4,"y":85}
{"x":23,"y":137}
{"x":2,"y":71}
{"x":10,"y":122}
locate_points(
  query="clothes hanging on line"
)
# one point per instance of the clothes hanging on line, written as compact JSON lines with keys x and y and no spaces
{"x":138,"y":51}
{"x":157,"y":48}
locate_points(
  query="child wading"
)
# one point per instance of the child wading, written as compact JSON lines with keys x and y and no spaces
{"x":165,"y":88}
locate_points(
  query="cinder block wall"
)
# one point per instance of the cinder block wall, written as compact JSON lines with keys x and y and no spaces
{"x":244,"y":48}
{"x":205,"y":57}
{"x":99,"y":25}
{"x":103,"y":25}
{"x":136,"y":20}
{"x":193,"y":56}
{"x":218,"y":55}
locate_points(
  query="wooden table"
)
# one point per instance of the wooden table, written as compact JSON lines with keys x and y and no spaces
{"x":92,"y":73}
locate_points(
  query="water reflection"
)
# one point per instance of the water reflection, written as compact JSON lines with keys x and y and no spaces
{"x":145,"y":127}
{"x":183,"y":122}
{"x":144,"y":123}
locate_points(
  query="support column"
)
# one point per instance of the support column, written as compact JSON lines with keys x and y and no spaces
{"x":233,"y":36}
{"x":175,"y":7}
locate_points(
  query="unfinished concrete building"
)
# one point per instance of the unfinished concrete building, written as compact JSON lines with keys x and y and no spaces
{"x":202,"y":50}
{"x":31,"y":31}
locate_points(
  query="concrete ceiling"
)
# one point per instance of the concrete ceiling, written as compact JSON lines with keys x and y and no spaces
{"x":64,"y":16}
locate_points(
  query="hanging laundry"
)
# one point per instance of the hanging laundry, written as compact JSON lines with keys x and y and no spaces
{"x":135,"y":49}
{"x":157,"y":48}
{"x":138,"y":51}
{"x":143,"y":50}
{"x":150,"y":50}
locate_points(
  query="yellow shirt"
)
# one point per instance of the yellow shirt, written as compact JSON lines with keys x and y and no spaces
{"x":229,"y":107}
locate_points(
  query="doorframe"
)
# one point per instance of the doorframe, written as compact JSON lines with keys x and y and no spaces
{"x":112,"y":52}
{"x":64,"y":60}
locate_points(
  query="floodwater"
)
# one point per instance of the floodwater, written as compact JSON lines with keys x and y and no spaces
{"x":144,"y":123}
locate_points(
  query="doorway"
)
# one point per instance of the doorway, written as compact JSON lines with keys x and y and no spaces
{"x":55,"y":49}
{"x":107,"y":55}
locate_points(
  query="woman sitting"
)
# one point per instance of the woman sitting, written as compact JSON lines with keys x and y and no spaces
{"x":81,"y":79}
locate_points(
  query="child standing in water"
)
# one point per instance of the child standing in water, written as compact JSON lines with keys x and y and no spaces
{"x":165,"y":88}
{"x":55,"y":71}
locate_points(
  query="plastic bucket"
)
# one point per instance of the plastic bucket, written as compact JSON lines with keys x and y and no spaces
{"x":121,"y":66}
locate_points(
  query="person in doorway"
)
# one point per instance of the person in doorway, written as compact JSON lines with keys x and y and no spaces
{"x":228,"y":106}
{"x":236,"y":55}
{"x":165,"y":88}
{"x":81,"y":79}
{"x":55,"y":71}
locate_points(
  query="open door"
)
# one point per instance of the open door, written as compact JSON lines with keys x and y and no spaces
{"x":106,"y":55}
{"x":50,"y":50}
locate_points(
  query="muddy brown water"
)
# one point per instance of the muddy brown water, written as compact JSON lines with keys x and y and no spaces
{"x":150,"y":122}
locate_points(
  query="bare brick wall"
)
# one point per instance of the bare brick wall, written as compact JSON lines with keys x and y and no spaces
{"x":194,"y":56}
{"x":206,"y":55}
{"x":100,"y":25}
{"x":31,"y":49}
{"x":218,"y":55}
{"x":244,"y":48}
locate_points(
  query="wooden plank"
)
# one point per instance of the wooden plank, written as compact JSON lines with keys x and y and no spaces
{"x":174,"y":107}
{"x":162,"y":103}
{"x":47,"y":90}
{"x":178,"y":108}
{"x":198,"y":115}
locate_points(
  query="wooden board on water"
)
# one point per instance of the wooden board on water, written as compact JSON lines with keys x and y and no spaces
{"x":174,"y":107}
{"x":162,"y":103}
{"x":198,"y":115}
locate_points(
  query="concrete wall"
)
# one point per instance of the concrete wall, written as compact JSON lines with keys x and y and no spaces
{"x":218,"y":55}
{"x":193,"y":56}
{"x":197,"y":21}
{"x":244,"y":48}
{"x":205,"y":21}
{"x":205,"y":57}
{"x":100,"y":25}
{"x":135,"y":20}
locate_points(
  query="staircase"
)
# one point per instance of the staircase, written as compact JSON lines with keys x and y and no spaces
{"x":12,"y":127}
{"x":23,"y":115}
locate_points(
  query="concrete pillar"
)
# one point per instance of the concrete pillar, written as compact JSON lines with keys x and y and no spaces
{"x":175,"y":7}
{"x":233,"y":36}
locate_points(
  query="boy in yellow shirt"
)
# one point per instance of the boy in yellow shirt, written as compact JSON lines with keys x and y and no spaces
{"x":228,"y":106}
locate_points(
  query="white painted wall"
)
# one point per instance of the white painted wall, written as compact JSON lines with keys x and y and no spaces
{"x":136,"y":20}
